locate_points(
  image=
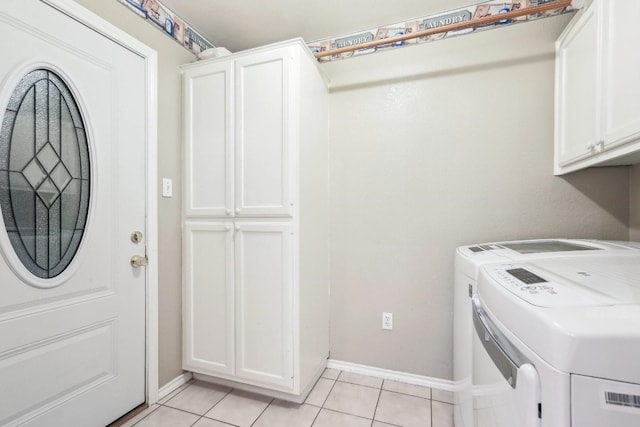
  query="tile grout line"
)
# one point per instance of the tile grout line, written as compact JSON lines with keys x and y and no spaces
{"x":140,"y":420}
{"x":354,"y":383}
{"x":362,"y":385}
{"x":189,"y":384}
{"x":218,"y":421}
{"x":182,"y":410}
{"x":216,"y":404}
{"x":168,"y":407}
{"x":341,"y":412}
{"x":316,"y":417}
{"x":380,"y":389}
{"x":321,"y":407}
{"x":405,"y":394}
{"x":325,"y":399}
{"x":408,"y":394}
{"x":377,"y":403}
{"x":263,"y":411}
{"x":431,"y":410}
{"x":347,"y":413}
{"x":175,"y":393}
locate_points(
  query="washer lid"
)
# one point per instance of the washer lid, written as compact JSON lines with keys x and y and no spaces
{"x":546,"y":246}
{"x":607,"y":278}
{"x":470,"y":258}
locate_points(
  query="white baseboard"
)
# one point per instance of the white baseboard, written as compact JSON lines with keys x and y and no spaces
{"x":174,"y":384}
{"x":387,"y":374}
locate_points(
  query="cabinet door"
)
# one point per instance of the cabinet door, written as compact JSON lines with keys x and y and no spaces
{"x":208,"y":122}
{"x":577,"y":88}
{"x":208,"y":298}
{"x":263,"y":134}
{"x":621,"y":59}
{"x":264,"y":299}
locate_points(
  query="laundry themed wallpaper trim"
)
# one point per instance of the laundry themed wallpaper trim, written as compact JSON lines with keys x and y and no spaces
{"x":169,"y":23}
{"x":173,"y":26}
{"x":487,"y":8}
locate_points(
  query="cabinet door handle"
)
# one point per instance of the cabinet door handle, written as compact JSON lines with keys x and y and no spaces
{"x":598,"y":147}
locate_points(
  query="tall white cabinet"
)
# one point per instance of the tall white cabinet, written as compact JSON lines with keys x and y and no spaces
{"x":256,"y":209}
{"x":598,"y":88}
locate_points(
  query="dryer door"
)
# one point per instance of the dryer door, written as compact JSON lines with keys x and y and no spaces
{"x":506,"y":385}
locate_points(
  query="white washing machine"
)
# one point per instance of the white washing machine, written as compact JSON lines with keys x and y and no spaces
{"x":558,"y":342}
{"x":468,"y":261}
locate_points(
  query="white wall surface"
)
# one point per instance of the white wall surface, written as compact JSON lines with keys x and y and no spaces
{"x":432,"y":147}
{"x":170,"y":56}
{"x":634,"y":204}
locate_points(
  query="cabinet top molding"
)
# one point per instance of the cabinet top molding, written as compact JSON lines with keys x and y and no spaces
{"x":286,"y":43}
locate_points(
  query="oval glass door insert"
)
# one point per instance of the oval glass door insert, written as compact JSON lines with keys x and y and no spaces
{"x":44,"y":173}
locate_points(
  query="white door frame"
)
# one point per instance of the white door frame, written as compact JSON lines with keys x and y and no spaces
{"x":150,"y":56}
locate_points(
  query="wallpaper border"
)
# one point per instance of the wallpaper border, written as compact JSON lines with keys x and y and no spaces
{"x":486,"y":8}
{"x":169,"y":23}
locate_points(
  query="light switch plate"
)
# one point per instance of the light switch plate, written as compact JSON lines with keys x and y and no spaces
{"x":167,"y":187}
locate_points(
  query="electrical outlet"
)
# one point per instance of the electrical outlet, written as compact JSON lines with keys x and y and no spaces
{"x":387,"y":321}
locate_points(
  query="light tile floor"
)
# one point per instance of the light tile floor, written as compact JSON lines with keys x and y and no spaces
{"x":339,"y":399}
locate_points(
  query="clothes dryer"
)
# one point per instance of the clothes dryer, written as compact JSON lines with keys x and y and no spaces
{"x":468,"y":261}
{"x":558,"y":339}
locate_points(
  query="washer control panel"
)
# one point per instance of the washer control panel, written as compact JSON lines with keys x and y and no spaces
{"x":532,"y":286}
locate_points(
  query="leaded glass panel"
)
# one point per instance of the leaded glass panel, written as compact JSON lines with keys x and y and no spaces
{"x":44,"y":173}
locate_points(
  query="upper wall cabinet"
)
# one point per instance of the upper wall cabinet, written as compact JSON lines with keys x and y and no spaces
{"x":577,"y":60}
{"x":238,"y":129}
{"x":597,"y":115}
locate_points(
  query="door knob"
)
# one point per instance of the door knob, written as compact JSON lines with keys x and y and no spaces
{"x":138,"y":261}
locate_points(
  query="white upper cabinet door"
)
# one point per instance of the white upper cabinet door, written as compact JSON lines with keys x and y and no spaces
{"x":621,"y":58}
{"x":208,"y":121}
{"x":208,"y":298}
{"x":264,"y":303}
{"x":577,"y":99}
{"x":263,"y":133}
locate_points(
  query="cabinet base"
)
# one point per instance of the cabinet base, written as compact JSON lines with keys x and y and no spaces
{"x":282,"y":395}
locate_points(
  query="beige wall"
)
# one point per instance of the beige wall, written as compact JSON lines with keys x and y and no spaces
{"x":436,"y":146}
{"x":170,"y":56}
{"x":431,"y":147}
{"x":634,"y":204}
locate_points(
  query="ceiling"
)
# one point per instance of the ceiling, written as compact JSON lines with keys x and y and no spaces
{"x":244,"y":24}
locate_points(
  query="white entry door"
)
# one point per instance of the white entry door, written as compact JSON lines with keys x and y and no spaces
{"x":72,"y":192}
